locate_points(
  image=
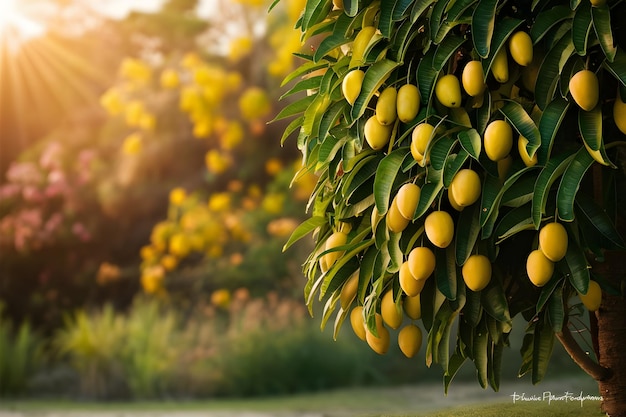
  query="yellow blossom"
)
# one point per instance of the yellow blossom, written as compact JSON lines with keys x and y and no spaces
{"x":135,"y":70}
{"x":217,"y":162}
{"x":169,"y":78}
{"x":232,"y":136}
{"x":219,"y":202}
{"x":254,"y":103}
{"x":239,"y":48}
{"x":132,"y":144}
{"x":273,"y":166}
{"x":221,"y":298}
{"x":177,"y":196}
{"x":112,"y":102}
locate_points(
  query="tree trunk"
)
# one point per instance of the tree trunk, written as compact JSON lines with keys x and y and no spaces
{"x":612,"y":337}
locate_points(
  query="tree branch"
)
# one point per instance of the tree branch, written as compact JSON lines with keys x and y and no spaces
{"x":578,"y":355}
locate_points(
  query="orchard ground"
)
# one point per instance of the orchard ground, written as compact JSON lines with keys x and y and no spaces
{"x":553,"y":397}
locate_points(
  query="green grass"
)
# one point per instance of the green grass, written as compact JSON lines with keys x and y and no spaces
{"x":426,"y":400}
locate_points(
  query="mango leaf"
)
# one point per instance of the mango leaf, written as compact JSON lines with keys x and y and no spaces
{"x":618,"y":66}
{"x":581,"y":28}
{"x":547,"y":290}
{"x":493,"y":192}
{"x":374,"y":78}
{"x":400,"y":8}
{"x":457,"y":9}
{"x":556,"y":311}
{"x":385,"y":177}
{"x":454,"y":364}
{"x":543,"y":343}
{"x":575,"y":266}
{"x":351,"y":7}
{"x":590,"y":125}
{"x":453,"y":165}
{"x":522,"y":193}
{"x":443,"y":348}
{"x":471,"y":142}
{"x":493,"y":300}
{"x":330,"y":117}
{"x":402,"y":39}
{"x":361,"y":173}
{"x":527,"y":354}
{"x":429,"y":193}
{"x":548,"y":75}
{"x":385,"y":17}
{"x":315,"y":11}
{"x":549,"y":124}
{"x":343,"y":268}
{"x":555,"y":168}
{"x":525,"y":126}
{"x":546,"y":20}
{"x":295,"y":108}
{"x":495,"y":369}
{"x":426,"y":77}
{"x":446,"y":49}
{"x":291,"y":127}
{"x":600,"y":220}
{"x":445,"y":273}
{"x":513,"y":222}
{"x":601,"y":17}
{"x":440,"y":150}
{"x":570,"y":182}
{"x":436,"y":14}
{"x":304,"y":229}
{"x":419,"y":7}
{"x":336,"y":39}
{"x":483,"y":21}
{"x":467,"y":230}
{"x":481,"y":352}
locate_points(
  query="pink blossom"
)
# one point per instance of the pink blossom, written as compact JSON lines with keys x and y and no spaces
{"x":51,"y":156}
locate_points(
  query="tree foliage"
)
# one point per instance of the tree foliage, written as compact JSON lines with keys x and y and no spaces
{"x":542,"y":175}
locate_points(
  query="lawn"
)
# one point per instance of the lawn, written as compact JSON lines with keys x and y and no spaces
{"x":464,"y":399}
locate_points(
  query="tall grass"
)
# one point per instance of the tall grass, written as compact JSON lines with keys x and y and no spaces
{"x":20,"y":357}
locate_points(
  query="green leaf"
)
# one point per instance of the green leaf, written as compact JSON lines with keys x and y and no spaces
{"x":445,"y":273}
{"x":440,"y":150}
{"x":600,"y":220}
{"x":483,"y":21}
{"x":429,"y":193}
{"x":547,"y":290}
{"x":493,"y":300}
{"x":575,"y":266}
{"x":549,"y":125}
{"x":570,"y":182}
{"x":496,"y":366}
{"x":493,"y":192}
{"x":304,"y":229}
{"x":467,"y":230}
{"x":454,"y":364}
{"x":436,"y":15}
{"x":314,"y":12}
{"x":386,"y":176}
{"x":525,"y":126}
{"x":618,"y":66}
{"x":555,"y":168}
{"x":581,"y":28}
{"x":480,"y":349}
{"x":453,"y":165}
{"x":385,"y":17}
{"x":361,"y":173}
{"x":343,"y":268}
{"x":601,"y":17}
{"x":374,"y":78}
{"x":546,"y":20}
{"x":419,"y":7}
{"x":473,"y":308}
{"x":351,"y":7}
{"x":513,"y":222}
{"x":457,"y":9}
{"x":330,"y":117}
{"x":548,"y":74}
{"x":471,"y":142}
{"x":296,"y":107}
{"x":292,"y":127}
{"x":426,"y":77}
{"x":590,"y":125}
{"x":336,"y":39}
{"x":400,"y":8}
{"x":446,"y":49}
{"x":556,"y":311}
{"x":543,"y":342}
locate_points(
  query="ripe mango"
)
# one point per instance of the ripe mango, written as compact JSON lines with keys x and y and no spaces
{"x":408,"y":102}
{"x":585,"y":90}
{"x":465,"y":187}
{"x":500,"y":66}
{"x":553,"y":241}
{"x":408,"y":198}
{"x":408,"y":283}
{"x":593,"y":298}
{"x":473,"y":79}
{"x":413,"y":307}
{"x":539,"y":268}
{"x":360,"y":44}
{"x":521,"y":48}
{"x":448,"y":91}
{"x":498,"y":140}
{"x":380,"y":343}
{"x":619,"y":114}
{"x":410,"y":340}
{"x":439,"y":228}
{"x":421,"y":262}
{"x":395,"y":221}
{"x":334,"y":240}
{"x":392,"y":316}
{"x":476,"y":272}
{"x":386,"y":106}
{"x":352,"y":84}
{"x":377,"y":135}
{"x":421,"y":136}
{"x":357,"y":322}
{"x":348,"y":291}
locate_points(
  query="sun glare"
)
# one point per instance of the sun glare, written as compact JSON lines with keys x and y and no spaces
{"x":15,"y":26}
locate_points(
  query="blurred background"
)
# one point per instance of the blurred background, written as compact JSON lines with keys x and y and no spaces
{"x":144,"y":203}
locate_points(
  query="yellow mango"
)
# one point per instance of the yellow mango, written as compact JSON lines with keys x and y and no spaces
{"x":465,"y":187}
{"x":448,"y":91}
{"x":386,"y":106}
{"x":408,"y":283}
{"x":476,"y":272}
{"x":395,"y":221}
{"x":380,"y":343}
{"x":593,"y":298}
{"x":413,"y":307}
{"x":377,"y":135}
{"x":521,"y":48}
{"x":619,"y":114}
{"x":407,"y":102}
{"x":410,"y":340}
{"x":391,"y":314}
{"x":500,"y":66}
{"x":473,"y":79}
{"x":357,"y":322}
{"x":539,"y":268}
{"x":585,"y":90}
{"x":553,"y":241}
{"x":498,"y":140}
{"x":352,"y":84}
{"x":408,"y":197}
{"x":439,"y":228}
{"x":421,"y":263}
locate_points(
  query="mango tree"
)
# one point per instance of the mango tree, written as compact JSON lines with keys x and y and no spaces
{"x":471,"y":168}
